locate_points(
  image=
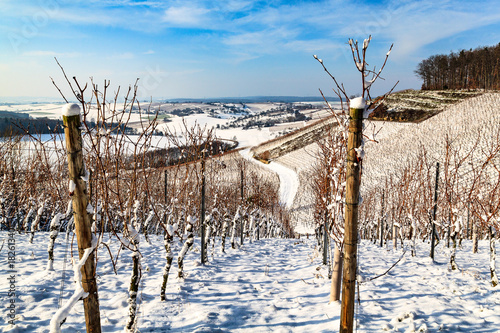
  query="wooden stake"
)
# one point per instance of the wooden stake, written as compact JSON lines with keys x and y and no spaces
{"x":433,"y":233}
{"x":468,"y":220}
{"x":242,"y":202}
{"x":382,"y":221}
{"x":165,"y":190}
{"x":336,"y":276}
{"x":353,"y":179}
{"x":71,"y":120}
{"x":325,"y":239}
{"x":202,"y":215}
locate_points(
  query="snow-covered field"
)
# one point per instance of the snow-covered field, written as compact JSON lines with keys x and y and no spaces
{"x":246,"y":138}
{"x":270,"y":285}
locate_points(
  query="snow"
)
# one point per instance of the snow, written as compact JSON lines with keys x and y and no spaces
{"x":133,"y":234}
{"x":357,"y":103}
{"x":62,"y":313}
{"x":85,"y":176}
{"x":71,"y":186}
{"x":462,"y":123}
{"x":69,"y":110}
{"x":271,"y":285}
{"x":289,"y":181}
{"x":319,"y":60}
{"x":366,"y":42}
{"x":360,"y":152}
{"x":171,"y":229}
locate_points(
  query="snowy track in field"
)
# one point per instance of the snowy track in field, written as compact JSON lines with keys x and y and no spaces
{"x":289,"y":181}
{"x":269,"y":285}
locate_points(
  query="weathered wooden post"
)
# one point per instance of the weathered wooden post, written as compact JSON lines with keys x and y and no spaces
{"x":336,"y":275}
{"x":382,"y":220}
{"x":165,"y":190}
{"x":202,"y":215}
{"x":353,"y":179}
{"x":433,"y":233}
{"x":325,"y":239}
{"x":72,"y":133}
{"x":493,"y":254}
{"x":241,"y":195}
{"x":468,"y":220}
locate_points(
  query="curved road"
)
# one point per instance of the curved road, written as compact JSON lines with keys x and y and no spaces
{"x":289,"y":181}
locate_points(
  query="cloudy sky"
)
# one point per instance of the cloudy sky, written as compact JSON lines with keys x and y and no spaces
{"x":224,"y":48}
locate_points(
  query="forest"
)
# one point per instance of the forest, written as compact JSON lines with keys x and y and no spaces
{"x":25,"y":125}
{"x":22,"y":125}
{"x":472,"y":69}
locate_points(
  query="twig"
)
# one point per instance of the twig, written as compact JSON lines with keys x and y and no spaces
{"x":66,"y":77}
{"x":339,"y":87}
{"x":387,"y":271}
{"x":307,"y":282}
{"x":53,"y":82}
{"x":111,"y":256}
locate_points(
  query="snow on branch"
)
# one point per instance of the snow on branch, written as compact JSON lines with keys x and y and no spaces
{"x":60,"y":316}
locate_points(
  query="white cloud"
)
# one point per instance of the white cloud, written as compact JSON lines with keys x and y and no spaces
{"x":83,"y":16}
{"x":239,"y":57}
{"x":248,"y":38}
{"x":128,"y":3}
{"x":149,"y":52}
{"x":42,"y":53}
{"x":314,"y":45}
{"x":268,"y":39}
{"x":122,"y":56}
{"x":415,"y":30}
{"x":235,"y":5}
{"x":413,"y":25}
{"x":186,"y":16}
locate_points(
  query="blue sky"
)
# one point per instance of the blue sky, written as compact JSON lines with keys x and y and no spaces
{"x":228,"y":47}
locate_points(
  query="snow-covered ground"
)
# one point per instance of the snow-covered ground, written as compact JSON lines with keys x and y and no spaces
{"x":270,"y":285}
{"x":246,"y":138}
{"x":289,"y":181}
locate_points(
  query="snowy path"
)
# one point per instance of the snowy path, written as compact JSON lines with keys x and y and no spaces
{"x":289,"y":181}
{"x":271,"y":285}
{"x":247,"y":291}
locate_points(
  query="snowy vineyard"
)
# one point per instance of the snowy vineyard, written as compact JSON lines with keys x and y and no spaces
{"x":441,"y":177}
{"x":270,"y":285}
{"x":445,"y":170}
{"x":149,"y":236}
{"x":199,"y":191}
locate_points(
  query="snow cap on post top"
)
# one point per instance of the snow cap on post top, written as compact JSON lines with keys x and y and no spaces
{"x":357,"y":103}
{"x":70,"y":109}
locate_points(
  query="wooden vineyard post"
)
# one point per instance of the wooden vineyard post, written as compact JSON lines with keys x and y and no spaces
{"x":468,"y":220}
{"x":433,"y":232}
{"x":382,"y":221}
{"x":72,"y":133}
{"x":336,"y":275}
{"x":325,"y":240}
{"x":202,"y":215}
{"x":165,"y":189}
{"x":353,"y":179}
{"x":242,"y":201}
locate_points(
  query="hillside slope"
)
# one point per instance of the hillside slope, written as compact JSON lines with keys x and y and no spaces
{"x":388,"y":153}
{"x":418,"y":105}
